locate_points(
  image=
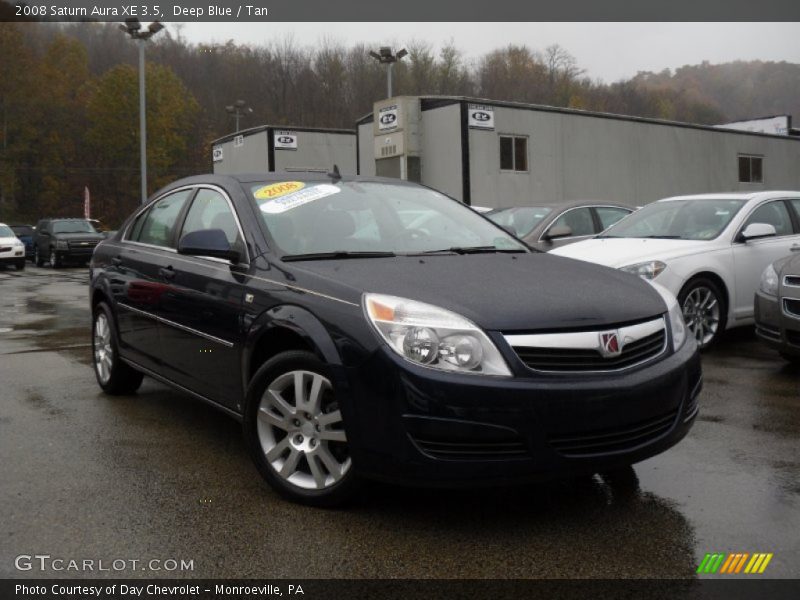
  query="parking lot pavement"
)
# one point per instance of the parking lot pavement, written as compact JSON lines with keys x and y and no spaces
{"x":158,"y":476}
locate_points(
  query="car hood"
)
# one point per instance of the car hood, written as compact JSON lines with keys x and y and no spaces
{"x":619,"y":252}
{"x":78,"y":237}
{"x":6,"y":241}
{"x":504,"y":292}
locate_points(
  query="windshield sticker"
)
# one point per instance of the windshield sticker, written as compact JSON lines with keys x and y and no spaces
{"x":298,"y":198}
{"x":276,"y":190}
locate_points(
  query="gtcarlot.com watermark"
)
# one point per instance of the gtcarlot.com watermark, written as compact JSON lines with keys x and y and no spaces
{"x":47,"y":563}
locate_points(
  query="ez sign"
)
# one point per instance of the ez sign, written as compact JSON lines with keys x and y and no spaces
{"x":388,"y":118}
{"x":480,"y":117}
{"x":285,"y":140}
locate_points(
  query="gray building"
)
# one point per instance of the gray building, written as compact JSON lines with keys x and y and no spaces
{"x":275,"y":148}
{"x":498,"y":154}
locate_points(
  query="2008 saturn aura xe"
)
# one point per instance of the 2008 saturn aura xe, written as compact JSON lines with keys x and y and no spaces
{"x":366,"y":328}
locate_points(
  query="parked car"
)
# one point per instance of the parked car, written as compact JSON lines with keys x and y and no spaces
{"x":351,"y":352}
{"x":708,"y":250}
{"x":61,"y":241}
{"x":548,"y":226}
{"x":777,"y":307}
{"x":12,"y":250}
{"x":25,"y":233}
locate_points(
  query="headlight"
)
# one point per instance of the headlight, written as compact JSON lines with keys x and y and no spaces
{"x":674,"y":314}
{"x":646,"y":270}
{"x":769,"y":281}
{"x":677,"y":324}
{"x":432,"y":336}
{"x":62,"y":245}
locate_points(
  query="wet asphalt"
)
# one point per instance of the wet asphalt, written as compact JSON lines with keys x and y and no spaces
{"x":158,"y":475}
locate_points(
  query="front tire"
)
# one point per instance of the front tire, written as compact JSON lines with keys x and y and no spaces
{"x":55,"y":261}
{"x":294,"y":430}
{"x":114,"y":376}
{"x":37,"y":259}
{"x":704,"y":310}
{"x":20,"y":265}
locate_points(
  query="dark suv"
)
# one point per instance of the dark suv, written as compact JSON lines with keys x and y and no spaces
{"x":60,"y":241}
{"x":373,"y":328}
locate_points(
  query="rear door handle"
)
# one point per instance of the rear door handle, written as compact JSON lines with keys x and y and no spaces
{"x":167,"y":272}
{"x":795,"y":248}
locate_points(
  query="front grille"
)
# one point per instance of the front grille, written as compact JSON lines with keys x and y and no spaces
{"x":464,"y":450}
{"x":592,"y":351}
{"x":791,"y":281}
{"x":5,"y":248}
{"x":87,"y":245}
{"x":620,"y":439}
{"x":791,"y":307}
{"x":573,"y":359}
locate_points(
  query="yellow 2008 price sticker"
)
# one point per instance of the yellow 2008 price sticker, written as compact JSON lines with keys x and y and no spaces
{"x":276,"y":190}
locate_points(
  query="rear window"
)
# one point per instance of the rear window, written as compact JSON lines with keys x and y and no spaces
{"x":22,"y":229}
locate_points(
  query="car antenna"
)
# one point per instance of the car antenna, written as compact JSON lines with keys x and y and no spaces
{"x":335,"y":173}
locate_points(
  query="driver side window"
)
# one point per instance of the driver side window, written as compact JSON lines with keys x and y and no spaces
{"x":773,"y":213}
{"x":579,"y":220}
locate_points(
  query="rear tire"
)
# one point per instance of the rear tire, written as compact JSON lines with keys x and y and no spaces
{"x":790,"y":358}
{"x":297,"y":440}
{"x":114,"y":376}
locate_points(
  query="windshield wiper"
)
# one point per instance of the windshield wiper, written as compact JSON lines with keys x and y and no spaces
{"x":472,"y":250}
{"x":662,"y":237}
{"x":335,"y":254}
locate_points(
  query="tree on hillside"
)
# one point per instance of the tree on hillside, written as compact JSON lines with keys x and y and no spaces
{"x":113,"y":134}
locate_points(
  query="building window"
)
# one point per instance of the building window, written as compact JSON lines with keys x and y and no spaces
{"x":513,"y":153}
{"x":751,"y":169}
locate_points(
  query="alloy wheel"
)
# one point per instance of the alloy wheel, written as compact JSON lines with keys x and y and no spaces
{"x":52,"y":258}
{"x":103,"y":352}
{"x":701,"y":313}
{"x":300,"y":431}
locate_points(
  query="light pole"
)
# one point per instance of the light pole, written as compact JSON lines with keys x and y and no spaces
{"x":134,"y":29}
{"x":385,"y":57}
{"x":238,"y":109}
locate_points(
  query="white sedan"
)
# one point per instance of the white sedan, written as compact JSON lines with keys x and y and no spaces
{"x":708,"y":250}
{"x":12,"y":251}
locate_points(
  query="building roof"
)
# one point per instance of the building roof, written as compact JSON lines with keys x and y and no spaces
{"x":432,"y":102}
{"x":253,"y":130}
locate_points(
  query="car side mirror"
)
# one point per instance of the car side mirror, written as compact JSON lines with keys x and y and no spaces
{"x":208,"y":242}
{"x":755,"y":231}
{"x":559,"y":231}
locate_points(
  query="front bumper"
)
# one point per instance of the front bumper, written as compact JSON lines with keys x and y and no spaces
{"x":12,"y":255}
{"x":775,"y":328}
{"x":410,"y":424}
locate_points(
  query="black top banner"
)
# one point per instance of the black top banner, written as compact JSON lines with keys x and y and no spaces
{"x":408,"y":10}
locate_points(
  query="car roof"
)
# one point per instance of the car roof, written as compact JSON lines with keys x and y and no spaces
{"x":571,"y":204}
{"x":762,"y":195}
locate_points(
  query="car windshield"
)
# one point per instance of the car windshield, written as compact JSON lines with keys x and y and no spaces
{"x":521,"y":220}
{"x":22,"y":229}
{"x":362,"y":218}
{"x":695,"y":219}
{"x":76,"y":226}
{"x":5,"y":231}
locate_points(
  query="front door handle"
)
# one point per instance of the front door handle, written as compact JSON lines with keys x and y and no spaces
{"x":795,"y":248}
{"x":116,"y":261}
{"x":167,"y":272}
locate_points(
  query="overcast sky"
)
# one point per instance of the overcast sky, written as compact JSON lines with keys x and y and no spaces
{"x":608,"y":51}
